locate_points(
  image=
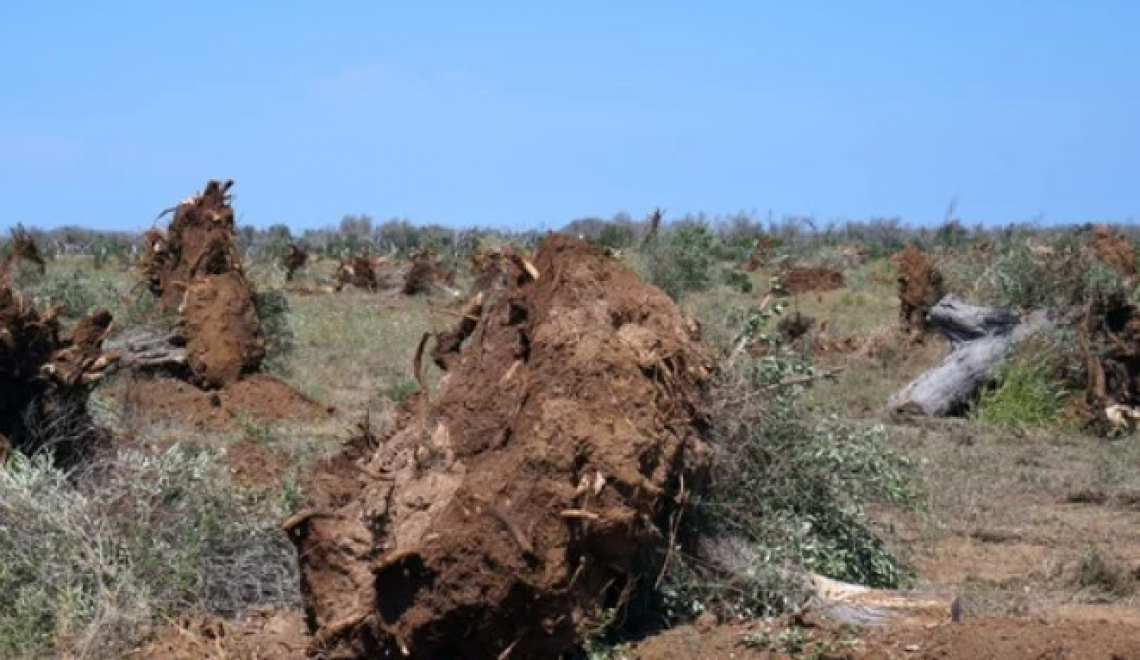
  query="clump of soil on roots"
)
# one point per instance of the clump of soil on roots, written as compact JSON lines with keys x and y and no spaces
{"x":195,"y":271}
{"x":46,"y":376}
{"x":920,"y":287}
{"x":536,"y":488}
{"x":1114,"y":250}
{"x":427,"y":275}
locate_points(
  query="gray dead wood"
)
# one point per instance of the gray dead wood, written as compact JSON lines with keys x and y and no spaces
{"x":148,"y":350}
{"x":981,"y":337}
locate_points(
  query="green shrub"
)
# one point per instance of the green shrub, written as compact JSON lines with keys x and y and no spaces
{"x":1064,"y":275}
{"x":273,"y":312}
{"x":81,"y":292}
{"x":786,"y":495}
{"x":681,"y":260}
{"x":1098,"y":572}
{"x":737,"y":280}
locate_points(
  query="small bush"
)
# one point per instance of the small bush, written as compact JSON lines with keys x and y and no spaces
{"x":89,"y":561}
{"x":1103,"y":574}
{"x":80,"y":292}
{"x":681,"y":260}
{"x":787,"y":495}
{"x":273,"y":311}
{"x":1061,"y":274}
{"x":737,"y":280}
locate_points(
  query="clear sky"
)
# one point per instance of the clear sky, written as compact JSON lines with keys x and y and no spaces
{"x":530,"y":114}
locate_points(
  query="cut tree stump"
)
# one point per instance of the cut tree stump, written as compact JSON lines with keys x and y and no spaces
{"x":981,"y":337}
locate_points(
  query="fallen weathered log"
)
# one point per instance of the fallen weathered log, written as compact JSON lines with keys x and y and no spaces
{"x":981,"y":336}
{"x":149,"y":350}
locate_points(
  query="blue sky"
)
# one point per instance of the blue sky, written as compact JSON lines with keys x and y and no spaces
{"x":532,"y":114}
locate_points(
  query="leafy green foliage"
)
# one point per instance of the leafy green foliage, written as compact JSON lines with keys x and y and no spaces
{"x":1056,"y":273}
{"x":681,"y":260}
{"x":737,"y":280}
{"x":81,"y":292}
{"x":787,"y":494}
{"x":273,"y":311}
{"x":1028,"y":393}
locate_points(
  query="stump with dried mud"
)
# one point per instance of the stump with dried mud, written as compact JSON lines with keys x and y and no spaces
{"x":533,"y":490}
{"x":195,"y":271}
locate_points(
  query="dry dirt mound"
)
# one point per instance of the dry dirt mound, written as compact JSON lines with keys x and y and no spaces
{"x":1114,"y":250}
{"x":220,"y":323}
{"x":195,"y":271}
{"x":260,"y":396}
{"x":920,"y":287}
{"x":804,"y":279}
{"x":45,"y":377}
{"x":981,"y":639}
{"x":500,"y":518}
{"x":264,"y":636}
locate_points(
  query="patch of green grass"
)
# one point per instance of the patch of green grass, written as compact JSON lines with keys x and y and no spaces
{"x":1028,"y":394}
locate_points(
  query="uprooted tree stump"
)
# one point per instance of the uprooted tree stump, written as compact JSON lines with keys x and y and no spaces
{"x":1114,"y":250}
{"x":537,"y":486}
{"x":427,"y":275}
{"x":46,"y":377}
{"x":21,"y":247}
{"x":1109,"y":338}
{"x":294,"y":260}
{"x":920,"y":287}
{"x":195,"y":271}
{"x":980,"y":337}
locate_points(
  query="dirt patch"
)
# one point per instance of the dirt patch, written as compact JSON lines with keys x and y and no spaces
{"x":537,"y":487}
{"x":1114,"y":250}
{"x":195,"y":271}
{"x":261,"y":396}
{"x":263,"y":636}
{"x":46,"y":376}
{"x":1012,"y":639}
{"x":254,"y":465}
{"x":805,"y":279}
{"x":984,"y":639}
{"x":920,"y":287}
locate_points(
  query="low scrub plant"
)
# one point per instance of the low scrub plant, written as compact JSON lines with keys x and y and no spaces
{"x":681,"y":260}
{"x":787,"y":495}
{"x":90,"y":560}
